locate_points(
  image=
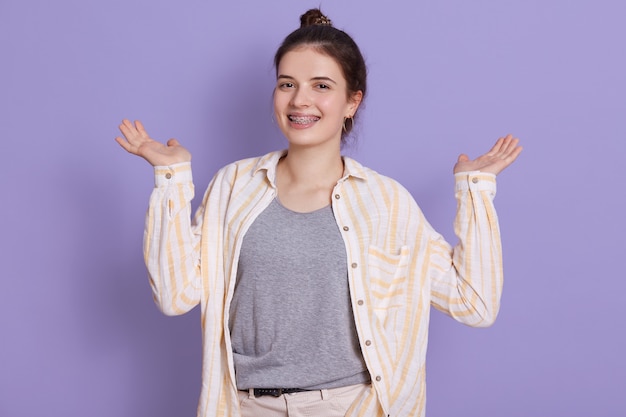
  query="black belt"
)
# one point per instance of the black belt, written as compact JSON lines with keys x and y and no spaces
{"x":275,"y":392}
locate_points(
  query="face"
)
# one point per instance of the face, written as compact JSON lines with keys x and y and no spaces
{"x":311,"y":99}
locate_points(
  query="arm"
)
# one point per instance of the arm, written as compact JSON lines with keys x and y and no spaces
{"x":466,"y":282}
{"x":171,"y":241}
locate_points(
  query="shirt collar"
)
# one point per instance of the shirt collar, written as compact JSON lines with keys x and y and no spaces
{"x":269,"y":162}
{"x":352,"y":168}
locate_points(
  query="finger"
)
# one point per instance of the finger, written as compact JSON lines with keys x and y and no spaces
{"x":173,"y":142}
{"x":514,"y":154}
{"x":510,"y":146}
{"x":510,"y":158}
{"x":507,"y":145}
{"x":128,"y":125}
{"x":496,"y":148}
{"x":124,"y":144}
{"x":140,"y":129}
{"x":128,"y":131}
{"x":506,"y":140}
{"x":134,"y":130}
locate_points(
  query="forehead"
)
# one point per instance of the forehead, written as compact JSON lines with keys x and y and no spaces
{"x":306,"y":63}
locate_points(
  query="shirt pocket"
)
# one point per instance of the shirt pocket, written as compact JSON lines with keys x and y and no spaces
{"x":388,"y":281}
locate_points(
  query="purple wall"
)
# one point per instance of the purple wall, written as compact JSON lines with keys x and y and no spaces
{"x":79,"y":334}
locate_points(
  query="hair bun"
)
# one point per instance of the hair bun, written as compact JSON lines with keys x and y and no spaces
{"x":314,"y":17}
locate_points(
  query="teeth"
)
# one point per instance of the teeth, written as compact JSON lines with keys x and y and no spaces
{"x":303,"y":119}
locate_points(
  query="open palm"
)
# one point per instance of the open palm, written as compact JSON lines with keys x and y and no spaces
{"x":137,"y":141}
{"x":501,"y":155}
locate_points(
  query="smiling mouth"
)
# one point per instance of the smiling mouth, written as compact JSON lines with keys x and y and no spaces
{"x":303,"y":120}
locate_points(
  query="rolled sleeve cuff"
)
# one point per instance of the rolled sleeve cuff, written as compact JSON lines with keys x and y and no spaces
{"x":172,"y":174}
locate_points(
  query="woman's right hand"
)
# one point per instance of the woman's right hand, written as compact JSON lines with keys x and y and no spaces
{"x":137,"y":141}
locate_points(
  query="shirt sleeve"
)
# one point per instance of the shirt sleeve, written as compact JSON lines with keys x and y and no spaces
{"x":172,"y":241}
{"x":466,"y":280}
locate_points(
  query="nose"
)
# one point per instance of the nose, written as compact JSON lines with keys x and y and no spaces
{"x":300,"y":98}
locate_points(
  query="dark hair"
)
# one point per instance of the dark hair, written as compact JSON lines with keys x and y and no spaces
{"x":316,"y":30}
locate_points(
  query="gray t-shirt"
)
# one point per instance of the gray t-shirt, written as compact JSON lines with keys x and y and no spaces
{"x":291,"y":318}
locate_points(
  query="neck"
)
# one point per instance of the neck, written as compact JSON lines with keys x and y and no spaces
{"x":312,"y":166}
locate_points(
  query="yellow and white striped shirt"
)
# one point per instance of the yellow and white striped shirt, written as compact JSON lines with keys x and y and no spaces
{"x":398,"y":267}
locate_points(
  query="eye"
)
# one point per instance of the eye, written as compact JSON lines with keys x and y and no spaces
{"x":286,"y":85}
{"x":322,"y":86}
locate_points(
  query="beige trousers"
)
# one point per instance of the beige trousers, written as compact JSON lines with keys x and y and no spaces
{"x":321,"y":403}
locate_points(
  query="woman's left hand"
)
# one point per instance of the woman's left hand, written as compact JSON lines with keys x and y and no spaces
{"x":504,"y":153}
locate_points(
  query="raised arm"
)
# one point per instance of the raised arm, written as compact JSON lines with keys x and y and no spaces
{"x":171,"y":241}
{"x":466,"y":282}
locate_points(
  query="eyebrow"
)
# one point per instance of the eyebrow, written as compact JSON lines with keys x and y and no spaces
{"x":312,"y":79}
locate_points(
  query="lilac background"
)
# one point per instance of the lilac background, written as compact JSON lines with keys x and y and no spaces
{"x":79,"y":334}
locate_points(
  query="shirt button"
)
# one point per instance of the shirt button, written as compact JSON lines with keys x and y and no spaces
{"x":368,"y":343}
{"x":474,"y":180}
{"x":378,"y":378}
{"x":360,"y":302}
{"x":346,"y":228}
{"x":354,"y":265}
{"x":337,"y":196}
{"x":168,"y":175}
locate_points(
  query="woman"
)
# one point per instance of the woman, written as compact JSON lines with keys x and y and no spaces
{"x":315,"y":275}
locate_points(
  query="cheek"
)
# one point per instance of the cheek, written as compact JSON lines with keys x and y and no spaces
{"x":339,"y":112}
{"x":332,"y":105}
{"x":280,"y":101}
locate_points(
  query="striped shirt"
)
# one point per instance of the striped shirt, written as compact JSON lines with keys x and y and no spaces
{"x":398,"y":266}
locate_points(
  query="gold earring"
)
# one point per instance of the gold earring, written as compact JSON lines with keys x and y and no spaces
{"x":345,"y":119}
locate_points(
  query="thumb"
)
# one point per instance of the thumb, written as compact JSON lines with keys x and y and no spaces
{"x":463,"y":158}
{"x":173,"y":142}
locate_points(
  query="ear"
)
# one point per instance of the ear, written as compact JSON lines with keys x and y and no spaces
{"x":354,"y":101}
